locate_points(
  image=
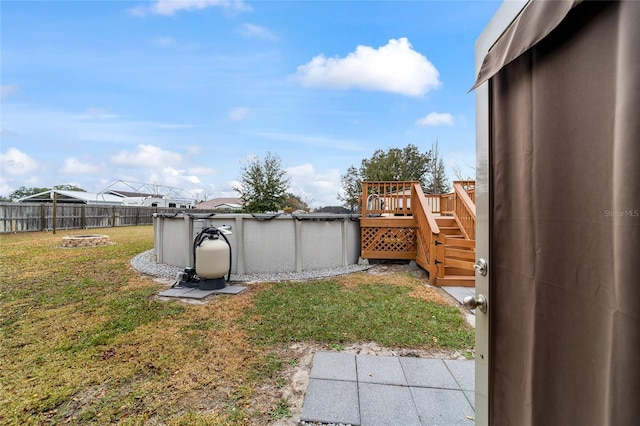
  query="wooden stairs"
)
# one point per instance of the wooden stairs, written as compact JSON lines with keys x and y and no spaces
{"x":399,"y":221}
{"x":459,"y":253}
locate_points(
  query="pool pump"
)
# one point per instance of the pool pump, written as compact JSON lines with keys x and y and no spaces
{"x":211,"y":260}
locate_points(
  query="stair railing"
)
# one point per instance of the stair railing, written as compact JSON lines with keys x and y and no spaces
{"x":464,"y":209}
{"x":428,"y":233}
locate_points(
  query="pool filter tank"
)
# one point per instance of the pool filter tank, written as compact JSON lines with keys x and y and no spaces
{"x":212,"y":260}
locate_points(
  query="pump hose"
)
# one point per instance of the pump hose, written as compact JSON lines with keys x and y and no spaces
{"x":229,"y":244}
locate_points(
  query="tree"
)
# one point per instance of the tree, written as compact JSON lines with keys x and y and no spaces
{"x":351,"y":189}
{"x":437,"y":176}
{"x":263,"y":185}
{"x":23,"y":191}
{"x":395,"y":164}
{"x":68,"y":187}
{"x":457,"y":172}
{"x":294,"y":202}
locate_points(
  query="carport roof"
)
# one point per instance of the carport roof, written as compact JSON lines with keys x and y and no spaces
{"x":73,"y":197}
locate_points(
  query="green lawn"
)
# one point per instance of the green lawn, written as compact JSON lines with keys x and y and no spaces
{"x":85,"y":340}
{"x":326,"y":311}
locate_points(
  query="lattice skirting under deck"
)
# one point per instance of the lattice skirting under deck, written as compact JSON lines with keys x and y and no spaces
{"x":393,"y":243}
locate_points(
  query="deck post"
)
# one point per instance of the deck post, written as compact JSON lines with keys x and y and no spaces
{"x":439,"y":257}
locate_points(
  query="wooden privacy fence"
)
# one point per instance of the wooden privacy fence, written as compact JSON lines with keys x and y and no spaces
{"x":39,"y":217}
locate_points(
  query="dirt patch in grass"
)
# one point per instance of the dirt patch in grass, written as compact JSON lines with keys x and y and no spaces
{"x":400,"y":274}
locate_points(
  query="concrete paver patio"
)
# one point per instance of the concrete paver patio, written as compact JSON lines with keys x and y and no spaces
{"x":370,"y":390}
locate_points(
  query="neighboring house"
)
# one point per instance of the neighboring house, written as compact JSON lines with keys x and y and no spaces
{"x":227,"y":204}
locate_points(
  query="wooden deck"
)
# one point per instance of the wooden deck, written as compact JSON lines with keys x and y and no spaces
{"x":399,"y":221}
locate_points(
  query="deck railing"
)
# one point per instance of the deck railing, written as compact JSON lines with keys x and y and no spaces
{"x":386,"y":198}
{"x":395,"y":198}
{"x":446,"y":203}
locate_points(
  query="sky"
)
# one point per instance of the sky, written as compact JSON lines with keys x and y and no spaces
{"x":186,"y":93}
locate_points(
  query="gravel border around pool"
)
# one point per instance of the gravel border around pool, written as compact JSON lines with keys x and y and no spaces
{"x":146,"y":263}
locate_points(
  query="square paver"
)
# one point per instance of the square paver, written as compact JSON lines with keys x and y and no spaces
{"x":429,"y":373}
{"x":331,"y":401}
{"x":464,"y":372}
{"x":175,"y":292}
{"x":230,"y":289}
{"x":459,"y":293}
{"x":382,"y":405}
{"x":333,"y":366}
{"x":443,"y":406}
{"x":380,"y":369}
{"x":196,"y":293}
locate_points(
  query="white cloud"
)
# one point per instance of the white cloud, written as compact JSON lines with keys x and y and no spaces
{"x":251,"y":30}
{"x":73,"y":166}
{"x":170,"y":176}
{"x":7,"y":90}
{"x":170,"y":7}
{"x":147,"y":156}
{"x":5,"y":187}
{"x":436,"y":119}
{"x":197,"y":193}
{"x":237,"y":114}
{"x":314,"y":187}
{"x":200,"y":170}
{"x":302,"y":171}
{"x":16,"y":163}
{"x":395,"y":68}
{"x":232,"y":184}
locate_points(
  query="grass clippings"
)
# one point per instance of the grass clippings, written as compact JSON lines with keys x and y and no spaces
{"x":85,"y":340}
